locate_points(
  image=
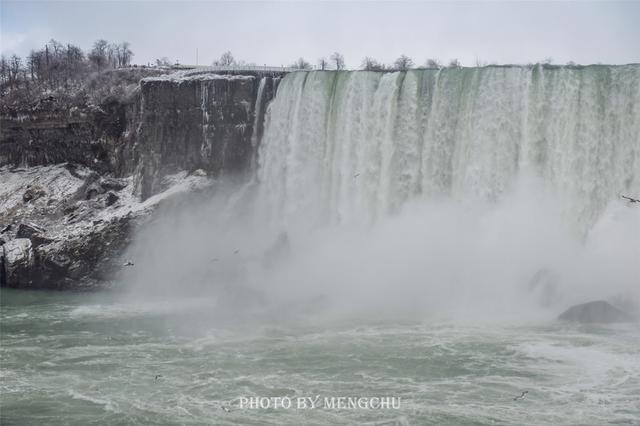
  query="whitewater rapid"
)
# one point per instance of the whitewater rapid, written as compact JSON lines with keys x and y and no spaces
{"x":352,"y":147}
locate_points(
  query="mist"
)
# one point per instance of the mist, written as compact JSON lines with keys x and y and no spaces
{"x":435,"y":259}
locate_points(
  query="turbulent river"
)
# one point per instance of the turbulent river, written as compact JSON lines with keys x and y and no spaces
{"x":406,"y":235}
{"x":84,"y":359}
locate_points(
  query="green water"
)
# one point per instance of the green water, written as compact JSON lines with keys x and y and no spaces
{"x":83,"y":359}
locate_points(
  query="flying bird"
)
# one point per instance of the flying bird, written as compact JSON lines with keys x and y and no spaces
{"x":356,"y":175}
{"x":631,"y":200}
{"x":226,"y":409}
{"x":128,"y":263}
{"x":521,"y":396}
{"x":158,"y":376}
{"x":236,"y":251}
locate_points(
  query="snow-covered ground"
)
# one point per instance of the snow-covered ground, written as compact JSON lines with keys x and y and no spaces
{"x":72,"y":209}
{"x":64,"y":190}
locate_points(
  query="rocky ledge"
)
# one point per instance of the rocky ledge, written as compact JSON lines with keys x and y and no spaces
{"x":65,"y":226}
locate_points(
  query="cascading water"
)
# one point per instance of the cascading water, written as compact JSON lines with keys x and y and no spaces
{"x":205,"y":149}
{"x":351,"y":147}
{"x":258,"y":116}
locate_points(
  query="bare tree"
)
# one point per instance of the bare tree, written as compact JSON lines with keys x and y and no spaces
{"x":15,"y":63}
{"x":226,"y":60}
{"x":433,"y":63}
{"x":323,"y":64}
{"x":34,"y":62}
{"x":338,"y":60}
{"x":163,"y":62}
{"x":55,"y":61}
{"x":301,"y":64}
{"x":4,"y":69}
{"x":454,"y":63}
{"x":74,"y":61}
{"x":98,"y":56}
{"x":403,"y":63}
{"x":124,"y":54}
{"x":370,"y":64}
{"x":58,"y":64}
{"x":112,"y":55}
{"x":56,"y":47}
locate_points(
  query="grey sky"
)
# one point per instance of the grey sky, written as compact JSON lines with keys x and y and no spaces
{"x":276,"y":33}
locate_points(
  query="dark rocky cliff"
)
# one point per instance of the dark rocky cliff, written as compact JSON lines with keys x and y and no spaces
{"x":171,"y":125}
{"x":50,"y":133}
{"x":197,"y":122}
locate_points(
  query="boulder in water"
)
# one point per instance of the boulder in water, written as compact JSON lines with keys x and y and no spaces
{"x":598,"y":311}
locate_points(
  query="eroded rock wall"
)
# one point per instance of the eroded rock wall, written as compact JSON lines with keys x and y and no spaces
{"x":199,"y":122}
{"x":48,"y":133}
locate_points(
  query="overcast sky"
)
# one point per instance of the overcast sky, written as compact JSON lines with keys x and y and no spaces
{"x":276,"y":33}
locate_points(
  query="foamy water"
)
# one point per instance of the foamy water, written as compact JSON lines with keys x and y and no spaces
{"x":92,"y":359}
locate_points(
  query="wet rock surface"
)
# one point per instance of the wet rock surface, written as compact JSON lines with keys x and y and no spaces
{"x":595,"y":312}
{"x":197,"y":123}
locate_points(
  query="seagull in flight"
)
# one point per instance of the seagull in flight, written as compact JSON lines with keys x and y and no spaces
{"x":236,"y":251}
{"x":226,"y":409}
{"x":158,"y":376}
{"x":521,"y":396}
{"x":128,"y":263}
{"x":631,"y":200}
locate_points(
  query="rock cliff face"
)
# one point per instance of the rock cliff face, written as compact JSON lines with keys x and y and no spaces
{"x":49,"y":133}
{"x":77,"y":179}
{"x":196,"y":122}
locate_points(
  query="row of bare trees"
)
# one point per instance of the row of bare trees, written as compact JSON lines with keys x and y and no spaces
{"x":110,"y":55}
{"x":403,"y":63}
{"x":336,"y":62}
{"x":57,"y":63}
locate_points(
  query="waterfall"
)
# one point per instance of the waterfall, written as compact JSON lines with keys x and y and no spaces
{"x":257,"y":120}
{"x":205,"y":149}
{"x":352,"y":147}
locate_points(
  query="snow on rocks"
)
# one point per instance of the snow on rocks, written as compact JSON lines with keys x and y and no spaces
{"x":73,"y":234}
{"x":195,"y":75}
